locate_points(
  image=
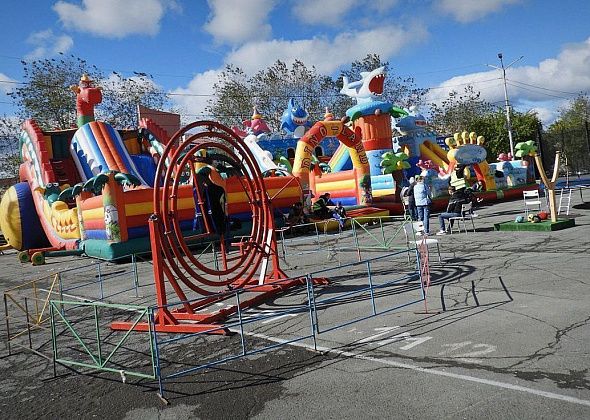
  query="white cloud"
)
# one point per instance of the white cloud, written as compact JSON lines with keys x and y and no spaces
{"x":469,"y":10}
{"x":327,"y":55}
{"x":326,"y":12}
{"x":238,"y":21}
{"x":6,"y":83}
{"x":193,"y":99}
{"x":47,"y":44}
{"x":333,"y":12}
{"x":114,"y":18}
{"x":553,"y":79}
{"x":547,"y":115}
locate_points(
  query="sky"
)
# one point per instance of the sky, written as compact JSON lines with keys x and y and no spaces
{"x":184,"y":44}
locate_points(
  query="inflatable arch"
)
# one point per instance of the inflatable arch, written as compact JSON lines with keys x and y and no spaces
{"x":360,"y":175}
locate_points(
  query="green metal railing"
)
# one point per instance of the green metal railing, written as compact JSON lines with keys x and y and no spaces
{"x":98,"y":361}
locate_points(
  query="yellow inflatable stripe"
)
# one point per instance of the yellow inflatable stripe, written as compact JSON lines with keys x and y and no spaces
{"x":136,"y":209}
{"x":240,"y":197}
{"x":381,"y":193}
{"x":334,"y":186}
{"x":97,"y":213}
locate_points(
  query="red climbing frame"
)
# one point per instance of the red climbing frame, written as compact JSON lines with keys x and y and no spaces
{"x":173,"y":260}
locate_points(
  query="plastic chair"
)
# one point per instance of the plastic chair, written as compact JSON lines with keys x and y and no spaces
{"x":531,"y":200}
{"x":411,"y":230}
{"x":565,"y":199}
{"x":466,"y":214}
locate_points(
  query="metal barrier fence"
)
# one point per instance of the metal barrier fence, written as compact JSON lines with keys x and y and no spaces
{"x":26,"y":310}
{"x":365,"y":234}
{"x":326,"y":308}
{"x":79,"y":316}
{"x":78,"y":339}
{"x":26,"y":306}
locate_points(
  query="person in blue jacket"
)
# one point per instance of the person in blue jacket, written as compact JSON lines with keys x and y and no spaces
{"x":422,"y":196}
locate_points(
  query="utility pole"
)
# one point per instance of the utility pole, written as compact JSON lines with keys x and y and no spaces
{"x":506,"y":101}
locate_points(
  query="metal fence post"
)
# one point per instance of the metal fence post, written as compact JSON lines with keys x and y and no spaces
{"x":7,"y":324}
{"x":101,"y":297}
{"x":53,"y":338}
{"x":356,"y":239}
{"x":36,"y":295}
{"x":215,"y":262}
{"x":135,"y":275}
{"x":98,"y":346}
{"x":242,"y":339}
{"x":311,"y":310}
{"x":382,"y":232}
{"x":371,"y":292}
{"x":157,"y":354}
{"x":28,"y":323}
{"x":61,"y":294}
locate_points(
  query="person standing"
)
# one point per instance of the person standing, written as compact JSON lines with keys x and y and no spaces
{"x":409,"y":200}
{"x":422,"y":197}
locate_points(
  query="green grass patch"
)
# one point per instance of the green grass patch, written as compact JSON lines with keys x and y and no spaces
{"x":543,"y":226}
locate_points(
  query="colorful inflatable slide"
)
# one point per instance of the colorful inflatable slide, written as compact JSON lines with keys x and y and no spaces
{"x":90,"y":190}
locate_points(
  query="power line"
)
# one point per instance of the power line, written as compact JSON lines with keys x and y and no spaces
{"x":537,"y":92}
{"x":542,"y":88}
{"x":464,"y":84}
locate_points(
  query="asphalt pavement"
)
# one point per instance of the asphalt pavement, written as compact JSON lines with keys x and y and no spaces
{"x":521,"y":354}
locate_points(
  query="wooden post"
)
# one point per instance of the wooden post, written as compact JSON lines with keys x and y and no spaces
{"x":550,"y":184}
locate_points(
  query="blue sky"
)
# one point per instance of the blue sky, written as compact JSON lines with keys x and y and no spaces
{"x":443,"y":44}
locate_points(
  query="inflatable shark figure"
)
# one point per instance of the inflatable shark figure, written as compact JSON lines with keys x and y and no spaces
{"x":368,"y":89}
{"x":411,"y":123}
{"x":295,"y":119}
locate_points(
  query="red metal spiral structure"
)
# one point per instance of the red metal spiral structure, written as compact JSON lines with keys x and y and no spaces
{"x":176,"y":263}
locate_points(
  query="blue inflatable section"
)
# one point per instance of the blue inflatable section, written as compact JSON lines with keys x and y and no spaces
{"x":33,"y":235}
{"x":146,"y":167}
{"x":374,"y":157}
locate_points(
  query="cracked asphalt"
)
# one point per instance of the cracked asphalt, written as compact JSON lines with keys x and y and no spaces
{"x":525,"y":358}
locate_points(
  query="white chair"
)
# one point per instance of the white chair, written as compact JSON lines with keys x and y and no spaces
{"x":565,"y":199}
{"x":466,"y":214}
{"x":413,"y":231}
{"x":531,"y":200}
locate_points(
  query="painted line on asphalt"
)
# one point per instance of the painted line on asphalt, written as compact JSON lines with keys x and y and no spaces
{"x":415,"y":368}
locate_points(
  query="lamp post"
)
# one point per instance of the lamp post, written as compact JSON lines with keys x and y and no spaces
{"x":506,"y":101}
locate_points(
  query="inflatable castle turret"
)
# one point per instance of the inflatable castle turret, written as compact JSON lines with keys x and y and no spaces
{"x":372,"y":115}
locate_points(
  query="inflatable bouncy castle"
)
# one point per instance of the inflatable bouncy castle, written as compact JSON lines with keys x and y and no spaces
{"x":90,"y":190}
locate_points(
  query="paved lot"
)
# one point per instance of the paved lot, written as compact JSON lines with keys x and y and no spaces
{"x":526,"y":358}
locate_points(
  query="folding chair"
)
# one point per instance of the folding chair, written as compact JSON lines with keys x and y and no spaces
{"x":466,"y":214}
{"x":411,"y":229}
{"x":531,"y":200}
{"x":565,"y":199}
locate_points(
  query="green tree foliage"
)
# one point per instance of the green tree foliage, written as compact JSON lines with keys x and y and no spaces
{"x":458,"y":112}
{"x":233,"y":98}
{"x":122,"y":95}
{"x":574,"y":115}
{"x":45,"y":94}
{"x":9,"y":153}
{"x":270,"y":89}
{"x":570,"y":134}
{"x":468,"y":112}
{"x":275,"y":85}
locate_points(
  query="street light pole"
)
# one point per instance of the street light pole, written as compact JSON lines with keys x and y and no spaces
{"x":506,"y":101}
